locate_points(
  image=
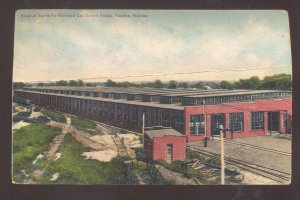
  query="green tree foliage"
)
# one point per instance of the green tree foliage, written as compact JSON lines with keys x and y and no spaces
{"x":158,"y":84}
{"x":254,"y":82}
{"x":73,"y":83}
{"x":213,"y":85}
{"x":80,"y":83}
{"x":199,"y":85}
{"x":76,"y":83}
{"x":251,"y":83}
{"x":226,"y":85}
{"x":61,"y":83}
{"x":40,"y":85}
{"x":278,"y":81}
{"x":18,"y":85}
{"x":172,"y":84}
{"x":110,"y":83}
{"x":183,"y":85}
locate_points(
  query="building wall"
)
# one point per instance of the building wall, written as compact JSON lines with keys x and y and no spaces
{"x":160,"y":146}
{"x":75,"y":106}
{"x":85,"y":108}
{"x":245,"y":107}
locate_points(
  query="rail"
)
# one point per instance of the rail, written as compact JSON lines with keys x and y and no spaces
{"x":276,"y":175}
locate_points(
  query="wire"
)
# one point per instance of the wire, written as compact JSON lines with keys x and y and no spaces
{"x":184,"y":73}
{"x":174,"y":73}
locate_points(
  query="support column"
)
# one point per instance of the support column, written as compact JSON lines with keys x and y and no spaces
{"x":281,"y":128}
{"x":226,"y":124}
{"x":265,"y":122}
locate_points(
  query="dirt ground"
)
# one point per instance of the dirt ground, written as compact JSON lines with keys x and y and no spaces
{"x":19,"y":125}
{"x":131,"y":141}
{"x":103,"y":146}
{"x":104,"y":156}
{"x":253,"y":179}
{"x":19,"y":108}
{"x":35,"y":114}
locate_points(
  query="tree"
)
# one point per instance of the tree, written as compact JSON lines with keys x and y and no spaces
{"x":254,"y":82}
{"x":158,"y":84}
{"x":73,"y":83}
{"x":80,"y":83}
{"x":18,"y":85}
{"x":61,"y":83}
{"x":226,"y":85}
{"x":199,"y":85}
{"x":278,"y":81}
{"x":76,"y":83}
{"x":110,"y":83}
{"x":213,"y":84}
{"x":173,"y":84}
{"x":183,"y":85}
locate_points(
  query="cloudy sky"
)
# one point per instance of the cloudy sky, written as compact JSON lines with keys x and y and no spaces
{"x":79,"y":44}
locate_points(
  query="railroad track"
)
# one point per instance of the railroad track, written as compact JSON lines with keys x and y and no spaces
{"x":122,"y":151}
{"x":276,"y":175}
{"x":104,"y":128}
{"x":257,"y":147}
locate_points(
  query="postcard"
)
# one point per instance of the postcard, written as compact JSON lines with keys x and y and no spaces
{"x":152,"y":97}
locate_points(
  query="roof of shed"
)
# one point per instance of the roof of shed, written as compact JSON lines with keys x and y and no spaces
{"x":162,"y":132}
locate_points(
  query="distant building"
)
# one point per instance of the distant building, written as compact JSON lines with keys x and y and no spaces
{"x":192,"y":113}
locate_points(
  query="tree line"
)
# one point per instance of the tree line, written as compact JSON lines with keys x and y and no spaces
{"x":277,"y":81}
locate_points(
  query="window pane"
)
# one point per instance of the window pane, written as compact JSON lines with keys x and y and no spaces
{"x":236,"y":121}
{"x":197,"y":124}
{"x":257,"y":120}
{"x":165,"y":118}
{"x":178,"y":121}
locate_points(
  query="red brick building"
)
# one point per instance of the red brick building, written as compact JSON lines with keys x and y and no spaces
{"x":165,"y":144}
{"x":192,"y":113}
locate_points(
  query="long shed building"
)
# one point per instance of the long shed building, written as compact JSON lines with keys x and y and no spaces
{"x":192,"y":112}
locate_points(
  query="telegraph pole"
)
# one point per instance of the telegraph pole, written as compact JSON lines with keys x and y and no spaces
{"x":143,"y":130}
{"x":205,"y":134}
{"x":222,"y":154}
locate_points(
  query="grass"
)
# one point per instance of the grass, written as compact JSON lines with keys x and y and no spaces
{"x":83,"y":123}
{"x":75,"y":169}
{"x":55,"y":116}
{"x":138,"y":165}
{"x":28,"y":142}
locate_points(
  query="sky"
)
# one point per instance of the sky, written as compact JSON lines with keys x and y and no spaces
{"x":96,"y":45}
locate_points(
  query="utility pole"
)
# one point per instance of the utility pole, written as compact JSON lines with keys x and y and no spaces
{"x":221,"y":129}
{"x":143,"y":130}
{"x":205,"y":134}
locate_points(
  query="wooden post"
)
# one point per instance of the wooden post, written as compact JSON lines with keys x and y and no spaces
{"x":143,"y":130}
{"x":205,"y":132}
